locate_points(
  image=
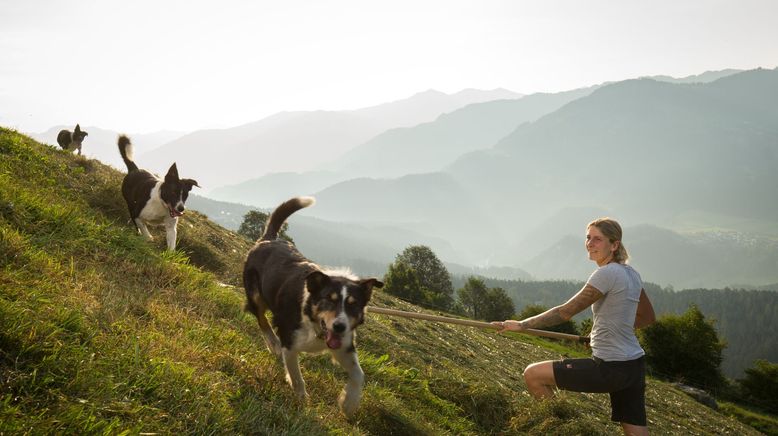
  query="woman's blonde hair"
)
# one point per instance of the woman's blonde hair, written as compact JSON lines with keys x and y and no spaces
{"x":612,"y":230}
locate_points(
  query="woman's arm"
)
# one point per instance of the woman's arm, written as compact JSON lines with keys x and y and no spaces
{"x":556,"y":315}
{"x":645,"y":314}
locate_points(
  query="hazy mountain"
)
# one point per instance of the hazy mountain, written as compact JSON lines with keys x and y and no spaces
{"x":645,"y":151}
{"x":706,"y":77}
{"x":101,"y":143}
{"x":428,"y":105}
{"x":299,"y":141}
{"x":492,"y":272}
{"x":272,"y":189}
{"x":710,"y":259}
{"x":284,"y":142}
{"x":397,"y":152}
{"x":226,"y":214}
{"x":366,"y":249}
{"x":568,"y":221}
{"x":432,"y":146}
{"x":431,"y":204}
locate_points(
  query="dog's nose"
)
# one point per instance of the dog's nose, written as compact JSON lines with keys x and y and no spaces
{"x":180,"y":208}
{"x":339,"y":327}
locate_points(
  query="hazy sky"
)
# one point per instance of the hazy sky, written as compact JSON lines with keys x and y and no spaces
{"x":140,"y":66}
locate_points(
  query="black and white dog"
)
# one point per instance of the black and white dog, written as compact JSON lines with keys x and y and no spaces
{"x":152,"y":200}
{"x":71,"y":140}
{"x":313,"y":309}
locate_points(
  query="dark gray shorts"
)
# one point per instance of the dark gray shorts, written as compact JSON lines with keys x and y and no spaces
{"x":624,"y":381}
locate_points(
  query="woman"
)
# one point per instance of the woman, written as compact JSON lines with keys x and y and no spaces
{"x":620,"y":305}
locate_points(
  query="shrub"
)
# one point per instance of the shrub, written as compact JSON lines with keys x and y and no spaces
{"x":760,"y":386}
{"x":480,"y":302}
{"x":254,"y":224}
{"x":685,"y":348}
{"x":402,"y":281}
{"x":435,"y":288}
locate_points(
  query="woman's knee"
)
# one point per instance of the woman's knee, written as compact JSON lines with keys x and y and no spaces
{"x":540,"y":372}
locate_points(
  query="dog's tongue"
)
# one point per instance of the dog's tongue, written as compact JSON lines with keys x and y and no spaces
{"x":333,"y":340}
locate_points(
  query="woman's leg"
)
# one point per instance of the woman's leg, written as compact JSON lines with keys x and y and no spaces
{"x":634,"y":430}
{"x":540,"y":379}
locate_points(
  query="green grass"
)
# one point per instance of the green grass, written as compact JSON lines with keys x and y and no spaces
{"x":102,"y":332}
{"x":765,"y":423}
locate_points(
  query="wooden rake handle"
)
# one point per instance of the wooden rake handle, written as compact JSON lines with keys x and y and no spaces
{"x":471,"y":323}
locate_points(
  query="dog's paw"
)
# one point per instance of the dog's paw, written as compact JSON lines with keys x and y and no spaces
{"x":299,"y":389}
{"x":273,"y":345}
{"x":274,"y":349}
{"x":302,"y":395}
{"x":349,"y":402}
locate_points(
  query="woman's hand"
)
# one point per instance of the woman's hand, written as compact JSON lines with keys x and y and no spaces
{"x":509,"y":325}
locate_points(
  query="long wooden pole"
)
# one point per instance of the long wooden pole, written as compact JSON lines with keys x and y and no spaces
{"x":471,"y":323}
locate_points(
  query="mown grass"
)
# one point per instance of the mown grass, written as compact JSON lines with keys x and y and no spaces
{"x":104,"y":333}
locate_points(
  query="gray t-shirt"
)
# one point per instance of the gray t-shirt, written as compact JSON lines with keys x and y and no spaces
{"x":613,"y":333}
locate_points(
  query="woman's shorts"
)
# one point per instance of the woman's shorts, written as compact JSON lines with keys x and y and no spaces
{"x":624,"y":381}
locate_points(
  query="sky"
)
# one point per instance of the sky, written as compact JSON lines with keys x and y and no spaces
{"x":149,"y":65}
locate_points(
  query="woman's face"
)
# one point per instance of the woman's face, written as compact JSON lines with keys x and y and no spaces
{"x":599,"y":247}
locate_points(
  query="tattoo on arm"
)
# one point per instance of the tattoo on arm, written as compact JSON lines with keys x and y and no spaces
{"x":548,"y":318}
{"x":580,"y":301}
{"x":559,"y":314}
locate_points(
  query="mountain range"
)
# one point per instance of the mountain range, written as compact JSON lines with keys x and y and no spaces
{"x":400,"y":151}
{"x":303,"y":140}
{"x":644,"y":151}
{"x":679,"y":164}
{"x":367,"y":249}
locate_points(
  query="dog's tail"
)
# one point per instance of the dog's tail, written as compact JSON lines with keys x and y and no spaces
{"x":282,"y":212}
{"x":125,"y":148}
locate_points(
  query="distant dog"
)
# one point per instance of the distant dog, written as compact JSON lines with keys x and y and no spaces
{"x":313,"y":309}
{"x":152,"y":200}
{"x":71,"y":140}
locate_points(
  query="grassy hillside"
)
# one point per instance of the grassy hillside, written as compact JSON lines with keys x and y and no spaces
{"x":101,"y":332}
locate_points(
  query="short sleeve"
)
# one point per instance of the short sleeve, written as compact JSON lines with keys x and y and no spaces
{"x":603,"y":279}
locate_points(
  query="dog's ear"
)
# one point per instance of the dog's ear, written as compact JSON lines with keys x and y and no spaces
{"x":78,"y":128}
{"x":369,"y":284}
{"x":189,"y":183}
{"x":172,"y":173}
{"x":316,"y":281}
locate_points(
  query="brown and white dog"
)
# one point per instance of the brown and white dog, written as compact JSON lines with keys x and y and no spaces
{"x":152,"y":200}
{"x":313,"y":309}
{"x":71,"y":140}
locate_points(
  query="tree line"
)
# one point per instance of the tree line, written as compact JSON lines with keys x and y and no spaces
{"x":419,"y":277}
